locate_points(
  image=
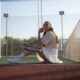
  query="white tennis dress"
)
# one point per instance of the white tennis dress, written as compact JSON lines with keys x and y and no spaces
{"x":51,"y":48}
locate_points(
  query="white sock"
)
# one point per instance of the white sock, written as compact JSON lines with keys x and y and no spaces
{"x":21,"y":55}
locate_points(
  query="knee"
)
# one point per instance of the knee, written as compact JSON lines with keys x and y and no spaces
{"x":26,"y":52}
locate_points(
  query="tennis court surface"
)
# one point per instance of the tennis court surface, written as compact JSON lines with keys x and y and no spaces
{"x":32,"y":69}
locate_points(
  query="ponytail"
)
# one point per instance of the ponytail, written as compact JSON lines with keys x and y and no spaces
{"x":57,"y":40}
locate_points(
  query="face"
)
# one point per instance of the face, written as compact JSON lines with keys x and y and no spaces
{"x":45,"y":27}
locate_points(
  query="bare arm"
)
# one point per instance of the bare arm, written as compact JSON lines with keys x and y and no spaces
{"x":39,"y":39}
{"x":40,"y":31}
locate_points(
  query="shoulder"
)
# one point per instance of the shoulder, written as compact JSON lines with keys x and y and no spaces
{"x":51,"y":33}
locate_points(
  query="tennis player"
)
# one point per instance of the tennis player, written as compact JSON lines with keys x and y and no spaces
{"x":47,"y":46}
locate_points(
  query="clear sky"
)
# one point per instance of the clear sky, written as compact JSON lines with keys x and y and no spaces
{"x":23,"y":22}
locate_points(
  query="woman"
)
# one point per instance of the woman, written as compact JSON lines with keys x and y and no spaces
{"x":48,"y":46}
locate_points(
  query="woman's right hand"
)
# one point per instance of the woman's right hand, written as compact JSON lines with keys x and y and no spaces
{"x":40,"y":30}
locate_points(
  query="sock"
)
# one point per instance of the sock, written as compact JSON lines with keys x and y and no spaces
{"x":21,"y":55}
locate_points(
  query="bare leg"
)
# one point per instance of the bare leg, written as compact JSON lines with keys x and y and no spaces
{"x":20,"y":57}
{"x":43,"y":56}
{"x":26,"y":53}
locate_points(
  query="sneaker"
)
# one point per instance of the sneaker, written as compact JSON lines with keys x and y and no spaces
{"x":18,"y":59}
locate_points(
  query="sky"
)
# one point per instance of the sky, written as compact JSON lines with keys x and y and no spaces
{"x":23,"y":16}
